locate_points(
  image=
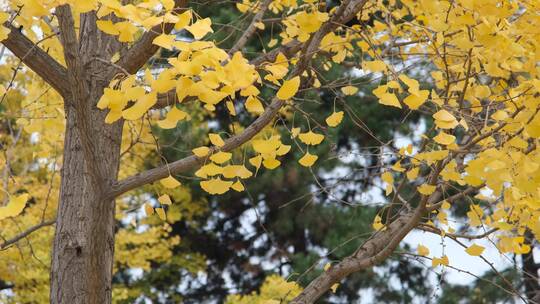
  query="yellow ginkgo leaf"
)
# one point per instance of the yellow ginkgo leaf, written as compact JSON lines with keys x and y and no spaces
{"x":414,"y":101}
{"x":216,"y":186}
{"x":201,"y":151}
{"x":444,"y":115}
{"x":327,"y":266}
{"x":183,"y":20}
{"x":210,"y":169}
{"x":170,"y":182}
{"x":422,"y":250}
{"x":334,"y":119}
{"x":388,"y":178}
{"x":256,"y":161}
{"x":216,"y":140}
{"x":148,"y":209}
{"x":164,"y":200}
{"x":80,"y":7}
{"x":230,"y":107}
{"x":411,"y":83}
{"x":283,"y":149}
{"x":445,"y":120}
{"x":232,"y":171}
{"x":250,"y":91}
{"x":475,"y":250}
{"x":272,"y":43}
{"x":172,"y":118}
{"x":311,"y":138}
{"x":289,"y":88}
{"x":397,"y":167}
{"x":265,"y":146}
{"x":14,"y":207}
{"x":308,"y":160}
{"x":374,"y":66}
{"x":237,"y":186}
{"x":389,"y":99}
{"x":220,"y":157}
{"x":295,"y":132}
{"x":334,"y":287}
{"x":161,"y":213}
{"x":445,"y":205}
{"x":107,"y":27}
{"x":126,"y":31}
{"x":377,"y":223}
{"x":413,"y":173}
{"x":254,"y":105}
{"x":426,"y":189}
{"x":200,"y":28}
{"x":271,"y":163}
{"x":168,"y":4}
{"x":142,"y":105}
{"x":349,"y":90}
{"x":482,"y":92}
{"x":444,"y":139}
{"x":500,"y":115}
{"x":440,"y":261}
{"x":165,"y":41}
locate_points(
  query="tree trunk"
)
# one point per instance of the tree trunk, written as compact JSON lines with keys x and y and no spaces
{"x":83,"y":250}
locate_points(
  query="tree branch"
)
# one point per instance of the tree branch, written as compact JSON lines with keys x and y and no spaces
{"x":37,"y":60}
{"x":24,"y":234}
{"x":344,"y":13}
{"x":373,"y":251}
{"x":192,"y":161}
{"x":469,"y":237}
{"x":143,"y":49}
{"x":251,"y":28}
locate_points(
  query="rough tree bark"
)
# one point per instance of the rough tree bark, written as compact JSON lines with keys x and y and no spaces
{"x":83,"y":248}
{"x":84,"y":238}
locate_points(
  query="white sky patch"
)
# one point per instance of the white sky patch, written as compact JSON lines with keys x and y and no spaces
{"x":457,"y":256}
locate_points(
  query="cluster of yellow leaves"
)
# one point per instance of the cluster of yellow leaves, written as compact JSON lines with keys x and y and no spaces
{"x":129,"y":243}
{"x":274,"y":290}
{"x":276,"y":6}
{"x":14,"y":207}
{"x":268,"y":150}
{"x":482,"y":42}
{"x":144,"y":15}
{"x":473,"y":250}
{"x":414,"y":100}
{"x":302,"y":24}
{"x":338,"y":45}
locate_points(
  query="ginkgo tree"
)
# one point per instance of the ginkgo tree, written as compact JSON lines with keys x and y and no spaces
{"x":481,"y":144}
